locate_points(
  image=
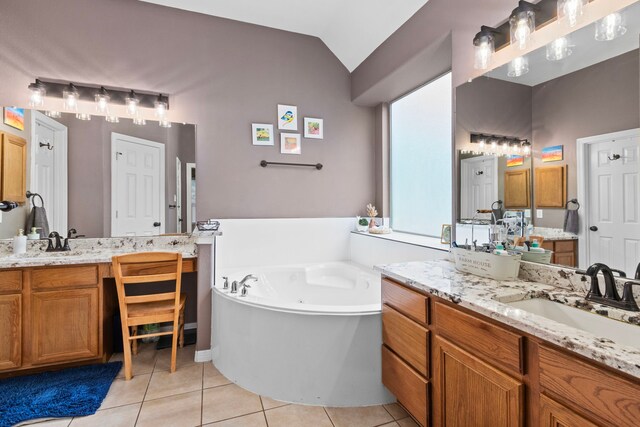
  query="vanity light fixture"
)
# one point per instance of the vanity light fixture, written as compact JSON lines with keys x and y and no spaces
{"x":161,"y":105}
{"x":53,"y":114}
{"x":518,"y":67}
{"x":522,"y":24}
{"x":102,"y":98}
{"x":571,"y":10}
{"x":83,"y":116}
{"x":610,"y":27}
{"x":559,"y":49}
{"x":164,"y":123}
{"x":140,"y":121}
{"x":132,"y":102}
{"x":70,"y":96}
{"x":495,"y":145}
{"x":484,"y":47}
{"x":112,"y":119}
{"x":37,"y":93}
{"x":526,"y":147}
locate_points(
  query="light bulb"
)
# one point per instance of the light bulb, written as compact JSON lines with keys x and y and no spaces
{"x":132,"y":102}
{"x":484,"y":47}
{"x":481,"y":143}
{"x":83,"y":116}
{"x":71,"y":97}
{"x":522,"y":24}
{"x":610,"y":27}
{"x":526,"y":147}
{"x":518,"y":67}
{"x":102,"y":101}
{"x":571,"y":10}
{"x":37,"y":92}
{"x":160,"y":106}
{"x":558,"y":49}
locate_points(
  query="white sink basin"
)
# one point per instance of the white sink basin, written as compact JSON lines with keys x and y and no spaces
{"x":600,"y":326}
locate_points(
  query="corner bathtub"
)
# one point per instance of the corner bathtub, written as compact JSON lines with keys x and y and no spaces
{"x":306,"y":334}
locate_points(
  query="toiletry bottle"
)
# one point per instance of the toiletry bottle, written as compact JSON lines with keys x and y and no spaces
{"x":34,"y":235}
{"x":20,"y":243}
{"x":499,"y":250}
{"x":535,"y":247}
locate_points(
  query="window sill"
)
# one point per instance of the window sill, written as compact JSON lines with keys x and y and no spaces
{"x":410,"y":239}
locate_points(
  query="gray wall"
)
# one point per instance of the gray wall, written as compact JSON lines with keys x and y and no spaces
{"x":221,"y":75}
{"x":599,"y":99}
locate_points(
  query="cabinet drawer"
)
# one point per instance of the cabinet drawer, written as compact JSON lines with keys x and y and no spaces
{"x":406,"y":301}
{"x":564,"y":246}
{"x":11,"y":281}
{"x":410,"y":389}
{"x":406,"y":338}
{"x":495,"y":344}
{"x":590,"y":387}
{"x":64,"y":277}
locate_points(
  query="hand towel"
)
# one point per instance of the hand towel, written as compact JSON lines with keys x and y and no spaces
{"x":571,"y":221}
{"x":38,"y":218}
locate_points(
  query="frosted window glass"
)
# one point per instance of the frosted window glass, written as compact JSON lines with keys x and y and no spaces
{"x":421,"y":159}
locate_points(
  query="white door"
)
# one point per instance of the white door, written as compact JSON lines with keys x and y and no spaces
{"x":613,"y":220}
{"x":478,"y":184}
{"x":137,"y":186}
{"x":49,"y":169}
{"x":178,"y":195}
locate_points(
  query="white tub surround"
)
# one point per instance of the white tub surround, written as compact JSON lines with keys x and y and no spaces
{"x":371,"y":249}
{"x":488,"y":297}
{"x":306,"y":334}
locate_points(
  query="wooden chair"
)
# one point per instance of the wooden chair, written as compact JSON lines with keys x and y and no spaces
{"x":136,"y":310}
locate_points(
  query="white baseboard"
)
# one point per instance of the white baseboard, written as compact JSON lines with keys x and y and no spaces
{"x":203,"y":356}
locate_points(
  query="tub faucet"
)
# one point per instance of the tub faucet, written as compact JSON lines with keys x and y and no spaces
{"x":243,"y":291}
{"x":234,"y":287}
{"x":247,"y":277}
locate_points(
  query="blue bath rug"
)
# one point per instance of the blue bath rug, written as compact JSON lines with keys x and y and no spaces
{"x":73,"y":392}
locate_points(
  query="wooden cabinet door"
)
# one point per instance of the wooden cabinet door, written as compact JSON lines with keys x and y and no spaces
{"x":553,"y":414}
{"x":469,"y":392}
{"x":10,"y":331}
{"x":64,"y":325}
{"x":551,"y":187}
{"x":14,"y":168}
{"x":517,"y":189}
{"x":565,"y":258}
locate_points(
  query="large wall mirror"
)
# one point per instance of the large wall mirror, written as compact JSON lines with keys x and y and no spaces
{"x":577,"y":102}
{"x":99,"y":178}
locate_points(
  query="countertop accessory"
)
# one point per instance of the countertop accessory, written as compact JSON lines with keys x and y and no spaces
{"x":208,"y":225}
{"x":20,"y":243}
{"x":265,"y":163}
{"x":611,"y":296}
{"x":483,"y":264}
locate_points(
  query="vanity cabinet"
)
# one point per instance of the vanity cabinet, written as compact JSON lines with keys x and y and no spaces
{"x":10,"y":319}
{"x":554,"y":414}
{"x":565,"y":252}
{"x":13,"y":173}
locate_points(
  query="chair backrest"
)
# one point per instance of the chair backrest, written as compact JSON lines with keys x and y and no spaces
{"x":518,"y":241}
{"x":146,"y":267}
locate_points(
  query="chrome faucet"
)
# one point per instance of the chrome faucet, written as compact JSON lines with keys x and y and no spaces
{"x":225,"y":286}
{"x":247,"y":277}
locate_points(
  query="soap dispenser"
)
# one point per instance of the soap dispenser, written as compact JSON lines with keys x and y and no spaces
{"x":535,"y":247}
{"x":20,"y":243}
{"x":34,"y":235}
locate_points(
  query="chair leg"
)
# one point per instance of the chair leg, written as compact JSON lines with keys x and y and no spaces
{"x":174,"y":344}
{"x":134,"y":343}
{"x":181,"y":323}
{"x":126,"y":348}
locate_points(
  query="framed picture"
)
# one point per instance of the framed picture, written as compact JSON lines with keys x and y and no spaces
{"x":445,"y":236}
{"x":14,"y":117}
{"x":290,"y":143}
{"x":513,"y":161}
{"x":552,"y":154}
{"x":313,"y":128}
{"x":262,"y":134}
{"x":287,"y":117}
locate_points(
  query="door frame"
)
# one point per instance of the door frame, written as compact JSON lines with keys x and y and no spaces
{"x":178,"y":202}
{"x":114,"y":195}
{"x":60,"y":205}
{"x":583,"y":151}
{"x":189,"y":174}
{"x":464,"y":176}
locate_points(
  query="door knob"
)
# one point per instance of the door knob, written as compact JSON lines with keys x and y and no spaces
{"x":156,"y":224}
{"x":593,"y":228}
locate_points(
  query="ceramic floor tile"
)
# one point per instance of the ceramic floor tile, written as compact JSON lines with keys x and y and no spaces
{"x":123,"y":392}
{"x":143,"y":363}
{"x":183,"y":380}
{"x":213,"y":377}
{"x":269,"y":403}
{"x":184,"y":357}
{"x":122,"y":416}
{"x":299,"y":416}
{"x":55,"y":422}
{"x":367,"y":416}
{"x":396,"y":411}
{"x":252,"y":420}
{"x":407,"y":422}
{"x":391,"y":424}
{"x":221,"y":403}
{"x":182,"y":410}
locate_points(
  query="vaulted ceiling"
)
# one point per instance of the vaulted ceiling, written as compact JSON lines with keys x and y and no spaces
{"x":352,"y":29}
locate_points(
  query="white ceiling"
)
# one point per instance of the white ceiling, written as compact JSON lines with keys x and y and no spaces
{"x":352,"y":29}
{"x":586,"y":51}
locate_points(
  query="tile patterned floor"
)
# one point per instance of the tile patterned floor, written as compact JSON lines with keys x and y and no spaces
{"x":198,"y":395}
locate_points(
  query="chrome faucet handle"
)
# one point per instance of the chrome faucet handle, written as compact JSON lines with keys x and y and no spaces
{"x":234,"y":287}
{"x":226,"y":282}
{"x":243,"y":292}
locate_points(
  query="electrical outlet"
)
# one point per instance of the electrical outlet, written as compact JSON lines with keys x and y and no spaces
{"x":527,"y":213}
{"x":539,"y":213}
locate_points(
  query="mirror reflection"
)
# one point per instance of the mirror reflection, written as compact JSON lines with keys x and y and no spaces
{"x":96,"y":178}
{"x":579,"y":106}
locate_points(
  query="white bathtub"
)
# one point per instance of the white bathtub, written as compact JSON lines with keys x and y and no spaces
{"x":305,"y":334}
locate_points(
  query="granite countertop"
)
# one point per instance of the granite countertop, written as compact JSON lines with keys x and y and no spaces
{"x":553,"y":233}
{"x":488,"y":297}
{"x":95,"y":251}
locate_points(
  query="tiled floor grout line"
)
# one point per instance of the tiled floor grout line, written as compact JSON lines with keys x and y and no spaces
{"x":328,"y":416}
{"x":155,"y":360}
{"x":233,"y":418}
{"x":264,"y":414}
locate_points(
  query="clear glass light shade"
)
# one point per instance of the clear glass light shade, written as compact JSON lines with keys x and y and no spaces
{"x":131,"y":102}
{"x":83,"y":116}
{"x":102,"y":101}
{"x":571,"y":10}
{"x":37,"y":92}
{"x":112,"y":119}
{"x":140,"y":121}
{"x":526,"y":149}
{"x":522,"y":24}
{"x":53,"y":114}
{"x":165,"y":123}
{"x":558,"y":49}
{"x":518,"y":67}
{"x":70,"y":96}
{"x":160,"y":106}
{"x":610,"y":27}
{"x":484,"y":48}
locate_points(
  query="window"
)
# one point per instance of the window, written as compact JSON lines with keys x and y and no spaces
{"x":421,"y":137}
